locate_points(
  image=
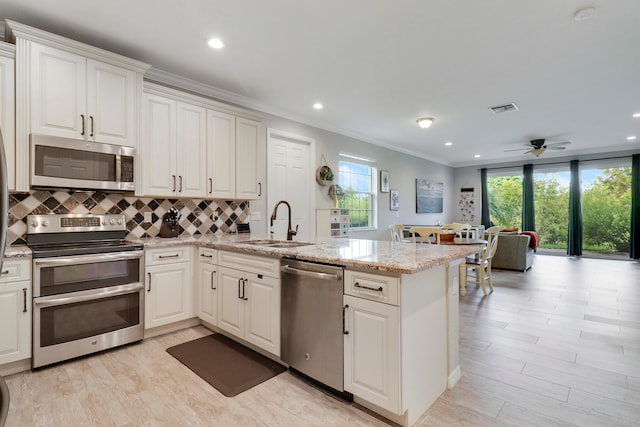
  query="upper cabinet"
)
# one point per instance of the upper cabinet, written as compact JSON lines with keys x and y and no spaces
{"x":70,"y":89}
{"x":195,"y":147}
{"x":7,"y":108}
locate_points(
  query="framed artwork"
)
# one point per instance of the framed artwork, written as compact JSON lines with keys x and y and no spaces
{"x":394,"y":200}
{"x":384,"y":181}
{"x":429,"y":196}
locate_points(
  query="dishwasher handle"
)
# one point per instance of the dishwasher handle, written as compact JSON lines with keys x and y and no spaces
{"x":311,"y":274}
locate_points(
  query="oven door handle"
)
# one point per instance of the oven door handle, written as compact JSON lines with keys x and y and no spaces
{"x":93,"y":294}
{"x":86,"y":259}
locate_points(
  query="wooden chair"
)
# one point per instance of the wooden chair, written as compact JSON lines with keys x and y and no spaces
{"x":425,"y":233}
{"x":397,"y":232}
{"x":482,"y":265}
{"x":459,"y":229}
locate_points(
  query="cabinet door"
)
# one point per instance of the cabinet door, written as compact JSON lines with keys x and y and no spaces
{"x":7,"y":116}
{"x":221,"y":154}
{"x":247,"y":167}
{"x":263,"y":312}
{"x":371,"y":352}
{"x":231,"y":316}
{"x":191,"y":150}
{"x":58,"y":92}
{"x":15,"y":318}
{"x":169,"y":296}
{"x":158,"y":151}
{"x":111,"y":104}
{"x":208,"y":284}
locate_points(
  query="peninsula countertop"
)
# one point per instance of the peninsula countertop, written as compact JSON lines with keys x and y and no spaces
{"x":376,"y":255}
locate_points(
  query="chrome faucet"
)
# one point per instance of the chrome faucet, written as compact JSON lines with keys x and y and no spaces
{"x":290,"y":232}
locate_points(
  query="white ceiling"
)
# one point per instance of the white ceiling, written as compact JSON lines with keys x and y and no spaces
{"x":378,"y":65}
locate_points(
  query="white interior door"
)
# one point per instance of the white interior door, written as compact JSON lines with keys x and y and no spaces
{"x":290,"y":177}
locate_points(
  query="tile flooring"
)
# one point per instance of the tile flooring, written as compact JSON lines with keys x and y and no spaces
{"x":558,"y":345}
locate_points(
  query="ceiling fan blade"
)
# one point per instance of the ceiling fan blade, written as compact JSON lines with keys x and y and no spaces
{"x":555,"y":144}
{"x":518,"y":149}
{"x":556,"y":147}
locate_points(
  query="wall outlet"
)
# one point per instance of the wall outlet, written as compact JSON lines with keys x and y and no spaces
{"x":256,"y":216}
{"x":147,"y":217}
{"x":397,"y":214}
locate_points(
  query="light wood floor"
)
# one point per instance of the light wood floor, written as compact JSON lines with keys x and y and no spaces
{"x":558,"y":345}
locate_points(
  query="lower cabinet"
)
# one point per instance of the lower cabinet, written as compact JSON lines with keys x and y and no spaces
{"x":15,"y":310}
{"x":208,"y":285}
{"x":169,"y":287}
{"x":248,"y":301}
{"x":372,"y":344}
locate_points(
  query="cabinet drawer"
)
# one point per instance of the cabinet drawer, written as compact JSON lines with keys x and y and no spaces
{"x":207,"y":256}
{"x":14,"y":270}
{"x":250,"y":263}
{"x":372,"y":286}
{"x":167,"y":255}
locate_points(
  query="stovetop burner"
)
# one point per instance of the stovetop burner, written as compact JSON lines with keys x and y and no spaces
{"x":77,"y":234}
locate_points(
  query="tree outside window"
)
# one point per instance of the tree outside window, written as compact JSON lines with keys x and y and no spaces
{"x":359,"y":184}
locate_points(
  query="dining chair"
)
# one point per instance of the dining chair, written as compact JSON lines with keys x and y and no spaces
{"x":482,"y":265}
{"x":397,"y":232}
{"x":459,"y":228}
{"x":425,"y":233}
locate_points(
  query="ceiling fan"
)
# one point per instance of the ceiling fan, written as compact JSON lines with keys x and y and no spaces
{"x":539,"y":146}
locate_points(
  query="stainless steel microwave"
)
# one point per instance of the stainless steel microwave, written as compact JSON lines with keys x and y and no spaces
{"x":81,"y":165}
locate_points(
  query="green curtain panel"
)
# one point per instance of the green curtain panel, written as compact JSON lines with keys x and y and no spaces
{"x":574,"y":246}
{"x":485,"y":216}
{"x":635,"y":207}
{"x":528,"y":203}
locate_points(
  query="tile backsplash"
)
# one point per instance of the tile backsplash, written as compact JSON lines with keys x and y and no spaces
{"x":197,"y":216}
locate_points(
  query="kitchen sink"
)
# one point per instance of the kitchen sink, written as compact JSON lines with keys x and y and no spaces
{"x":277,"y":243}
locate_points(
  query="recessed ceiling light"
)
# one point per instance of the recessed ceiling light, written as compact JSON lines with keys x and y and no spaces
{"x":584,"y":14}
{"x":425,"y":122}
{"x":215,"y":43}
{"x":636,"y":115}
{"x":318,"y":106}
{"x":476,"y":156}
{"x":631,"y":138}
{"x":448,"y":144}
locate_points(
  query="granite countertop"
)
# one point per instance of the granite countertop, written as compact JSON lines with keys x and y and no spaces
{"x":377,"y":255}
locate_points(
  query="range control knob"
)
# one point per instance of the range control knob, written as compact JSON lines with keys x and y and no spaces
{"x":112,"y":221}
{"x":34,"y":223}
{"x":45,"y":223}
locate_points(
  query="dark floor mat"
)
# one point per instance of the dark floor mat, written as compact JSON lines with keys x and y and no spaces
{"x":228,"y":366}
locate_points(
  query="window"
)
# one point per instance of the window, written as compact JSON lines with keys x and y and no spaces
{"x":357,"y":177}
{"x":505,"y":198}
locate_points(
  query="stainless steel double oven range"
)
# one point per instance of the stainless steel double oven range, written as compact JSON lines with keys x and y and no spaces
{"x":88,"y":287}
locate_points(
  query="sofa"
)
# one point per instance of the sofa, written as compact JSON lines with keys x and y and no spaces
{"x":514,"y":252}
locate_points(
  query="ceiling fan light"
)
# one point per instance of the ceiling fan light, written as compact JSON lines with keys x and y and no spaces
{"x":537,"y":151}
{"x":425,"y":122}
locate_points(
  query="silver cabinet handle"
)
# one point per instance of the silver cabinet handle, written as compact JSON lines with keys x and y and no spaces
{"x":344,"y":322}
{"x":180,"y":190}
{"x":149,"y":289}
{"x":358,"y":285}
{"x":91,"y":119}
{"x":174,"y":183}
{"x":213,"y":273}
{"x":168,"y":256}
{"x":210,"y":185}
{"x":82,"y":116}
{"x":24,"y":300}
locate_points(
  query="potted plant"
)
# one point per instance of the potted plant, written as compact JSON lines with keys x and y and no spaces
{"x":324,"y":175}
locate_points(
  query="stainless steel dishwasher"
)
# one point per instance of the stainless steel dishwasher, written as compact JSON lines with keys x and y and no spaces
{"x":312,"y":320}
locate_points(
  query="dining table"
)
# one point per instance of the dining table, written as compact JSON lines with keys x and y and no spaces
{"x":480,"y":243}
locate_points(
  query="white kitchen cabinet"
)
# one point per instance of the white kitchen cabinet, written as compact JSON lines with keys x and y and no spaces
{"x":207,"y":285}
{"x":7,"y":108}
{"x":249,"y":301}
{"x":173,"y":152}
{"x":169,"y":287}
{"x":15,"y":310}
{"x":76,"y":97}
{"x":221,"y":144}
{"x":372,"y":352}
{"x":248,"y":184}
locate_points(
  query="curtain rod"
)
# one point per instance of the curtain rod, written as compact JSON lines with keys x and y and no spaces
{"x":557,"y":163}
